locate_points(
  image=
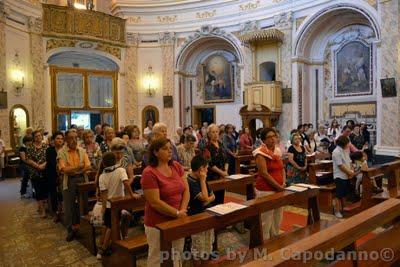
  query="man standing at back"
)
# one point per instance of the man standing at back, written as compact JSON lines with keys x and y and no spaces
{"x":73,"y":163}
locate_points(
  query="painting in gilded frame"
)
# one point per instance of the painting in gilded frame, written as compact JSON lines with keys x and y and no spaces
{"x":218,"y":81}
{"x":353,"y":69}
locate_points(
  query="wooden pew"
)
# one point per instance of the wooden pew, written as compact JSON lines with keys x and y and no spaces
{"x":342,"y":237}
{"x":183,"y":227}
{"x":244,"y":156}
{"x":390,"y":171}
{"x":327,"y":192}
{"x":124,"y":252}
{"x":242,"y":186}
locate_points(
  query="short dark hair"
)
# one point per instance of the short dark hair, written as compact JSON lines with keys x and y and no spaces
{"x":189,"y":138}
{"x":74,"y":126}
{"x":265,"y":131}
{"x":57,"y":134}
{"x":27,"y":138}
{"x":104,"y":125}
{"x":198,"y":162}
{"x":345,"y":128}
{"x":121,"y":134}
{"x":300,"y":126}
{"x":342,"y":141}
{"x":155,"y":146}
{"x":358,"y":155}
{"x":68,"y":132}
{"x":109,"y":159}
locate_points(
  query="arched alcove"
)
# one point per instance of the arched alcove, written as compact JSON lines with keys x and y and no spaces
{"x":150,"y":113}
{"x":319,"y":49}
{"x":207,"y":51}
{"x":19,"y":121}
{"x":267,"y":71}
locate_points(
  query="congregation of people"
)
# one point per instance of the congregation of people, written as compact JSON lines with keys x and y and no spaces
{"x":175,"y":169}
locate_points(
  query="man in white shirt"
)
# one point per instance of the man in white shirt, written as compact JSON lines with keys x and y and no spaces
{"x":148,"y":130}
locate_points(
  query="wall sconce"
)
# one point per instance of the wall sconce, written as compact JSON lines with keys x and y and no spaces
{"x":149,"y":82}
{"x":17,"y":75}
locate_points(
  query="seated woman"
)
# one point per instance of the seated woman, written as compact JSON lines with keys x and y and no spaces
{"x":166,"y":192}
{"x":297,"y":164}
{"x":270,"y":179}
{"x":245,"y":140}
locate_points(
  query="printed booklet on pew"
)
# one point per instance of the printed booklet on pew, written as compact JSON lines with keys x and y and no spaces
{"x":226,"y":208}
{"x":238,"y":176}
{"x":301,"y":187}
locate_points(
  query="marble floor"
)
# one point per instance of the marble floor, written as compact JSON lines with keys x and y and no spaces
{"x":28,"y":240}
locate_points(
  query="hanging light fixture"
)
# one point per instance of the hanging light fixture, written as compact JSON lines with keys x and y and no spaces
{"x":149,"y":82}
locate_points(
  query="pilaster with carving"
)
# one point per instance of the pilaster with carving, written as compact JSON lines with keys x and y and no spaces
{"x":390,"y":65}
{"x":131,"y":84}
{"x":167,"y":41}
{"x":4,"y":125}
{"x":37,"y":57}
{"x":284,"y":22}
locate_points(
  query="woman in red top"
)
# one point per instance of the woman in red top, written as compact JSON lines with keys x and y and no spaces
{"x":245,"y":141}
{"x":270,"y":179}
{"x":167,"y":196}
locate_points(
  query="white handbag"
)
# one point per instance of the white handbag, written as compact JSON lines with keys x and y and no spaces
{"x":96,"y":216}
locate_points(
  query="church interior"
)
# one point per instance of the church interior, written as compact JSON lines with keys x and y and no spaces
{"x":199,"y":133}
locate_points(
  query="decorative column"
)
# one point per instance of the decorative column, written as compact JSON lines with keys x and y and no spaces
{"x":284,"y":22}
{"x":167,"y":41}
{"x":38,"y":88}
{"x":131,"y":83}
{"x":4,"y":124}
{"x":389,"y":68}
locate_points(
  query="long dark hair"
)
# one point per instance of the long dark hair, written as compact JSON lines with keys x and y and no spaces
{"x":155,"y":146}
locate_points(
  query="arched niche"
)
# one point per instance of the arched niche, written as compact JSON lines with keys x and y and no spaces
{"x":150,"y":113}
{"x":267,"y":71}
{"x":19,"y":121}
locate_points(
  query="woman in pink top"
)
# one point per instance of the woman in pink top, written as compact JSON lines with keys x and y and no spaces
{"x":245,"y":141}
{"x":167,"y":196}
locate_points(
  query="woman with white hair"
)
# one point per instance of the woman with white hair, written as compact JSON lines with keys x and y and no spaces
{"x":109,"y":134}
{"x":215,"y":154}
{"x":160,"y":130}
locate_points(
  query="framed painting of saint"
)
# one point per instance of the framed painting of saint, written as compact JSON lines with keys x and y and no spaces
{"x":218,"y":82}
{"x":353,"y":69}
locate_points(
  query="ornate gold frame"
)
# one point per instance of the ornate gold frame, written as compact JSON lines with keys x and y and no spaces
{"x":196,"y":107}
{"x":144,"y":113}
{"x":85,"y":73}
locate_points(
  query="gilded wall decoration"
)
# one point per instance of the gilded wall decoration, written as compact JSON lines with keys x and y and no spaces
{"x":167,"y":19}
{"x":206,"y":14}
{"x":167,"y":50}
{"x":365,"y":110}
{"x":373,"y":3}
{"x":37,"y":59}
{"x":62,"y":21}
{"x":115,"y":51}
{"x":134,"y":20}
{"x":56,"y":43}
{"x":4,"y":125}
{"x":249,"y":6}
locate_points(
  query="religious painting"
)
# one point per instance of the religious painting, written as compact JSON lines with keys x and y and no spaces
{"x":388,"y":86}
{"x":353,"y":75}
{"x":149,"y":113}
{"x":218,"y":82}
{"x":286,"y":95}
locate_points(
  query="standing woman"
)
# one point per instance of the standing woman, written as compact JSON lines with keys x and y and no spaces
{"x":334,"y":130}
{"x":246,"y":141}
{"x":297,"y":161}
{"x":53,"y":175}
{"x":230,"y":147}
{"x":92,"y":149}
{"x":270,"y":179}
{"x":26,"y":142}
{"x":214,"y":153}
{"x":136,"y":143}
{"x":167,"y":196}
{"x":109,"y":134}
{"x":36,"y":159}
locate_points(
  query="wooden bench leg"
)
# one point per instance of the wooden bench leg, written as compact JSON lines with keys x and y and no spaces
{"x":133,"y":256}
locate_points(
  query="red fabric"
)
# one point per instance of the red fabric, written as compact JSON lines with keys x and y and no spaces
{"x":171,"y":191}
{"x":274,"y":168}
{"x":245,"y":141}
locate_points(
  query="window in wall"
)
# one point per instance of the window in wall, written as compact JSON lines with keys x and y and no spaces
{"x":83,"y":97}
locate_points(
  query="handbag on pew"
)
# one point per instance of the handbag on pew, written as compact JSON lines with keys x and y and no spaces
{"x":96,"y":216}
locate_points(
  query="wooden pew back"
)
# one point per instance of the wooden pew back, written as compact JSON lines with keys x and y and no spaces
{"x":337,"y":237}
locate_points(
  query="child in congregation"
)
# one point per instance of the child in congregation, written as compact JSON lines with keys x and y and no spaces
{"x":112,"y":182}
{"x":201,"y":198}
{"x":359,"y":163}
